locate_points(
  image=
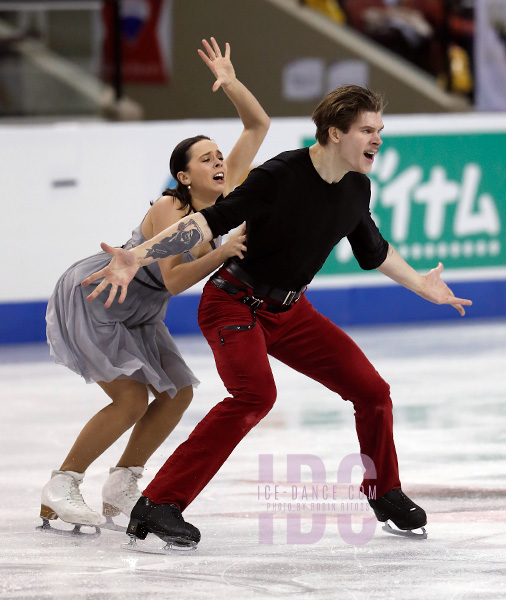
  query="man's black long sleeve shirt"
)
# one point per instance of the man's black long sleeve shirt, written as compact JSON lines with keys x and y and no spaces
{"x":295,"y":218}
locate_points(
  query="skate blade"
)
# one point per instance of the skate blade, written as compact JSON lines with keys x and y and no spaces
{"x":112,"y":526}
{"x":172,"y":546}
{"x":76,"y":532}
{"x":408,"y":533}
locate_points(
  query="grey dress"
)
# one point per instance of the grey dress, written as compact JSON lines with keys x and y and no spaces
{"x":128,"y":340}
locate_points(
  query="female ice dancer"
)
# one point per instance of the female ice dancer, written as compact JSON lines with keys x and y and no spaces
{"x":126,"y":348}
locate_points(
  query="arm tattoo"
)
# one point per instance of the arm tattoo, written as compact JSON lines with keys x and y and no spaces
{"x":187,"y":235}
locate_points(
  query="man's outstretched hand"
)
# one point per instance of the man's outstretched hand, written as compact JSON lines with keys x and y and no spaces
{"x":435,"y":290}
{"x":118,"y":274}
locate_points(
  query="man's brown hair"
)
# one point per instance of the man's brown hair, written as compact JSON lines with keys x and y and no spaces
{"x":341,"y":107}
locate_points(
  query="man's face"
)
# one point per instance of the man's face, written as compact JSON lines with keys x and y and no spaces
{"x":359,"y":146}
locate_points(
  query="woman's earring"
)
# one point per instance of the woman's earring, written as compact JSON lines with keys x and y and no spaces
{"x":189,"y":187}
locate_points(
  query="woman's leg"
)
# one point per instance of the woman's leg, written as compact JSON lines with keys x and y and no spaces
{"x":129,"y":404}
{"x":161,"y":417}
{"x":120,"y":491}
{"x":61,"y":496}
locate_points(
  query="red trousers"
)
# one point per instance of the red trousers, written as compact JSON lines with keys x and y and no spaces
{"x":301,"y":338}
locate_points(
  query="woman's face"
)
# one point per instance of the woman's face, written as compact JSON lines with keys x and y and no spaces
{"x":206,"y":170}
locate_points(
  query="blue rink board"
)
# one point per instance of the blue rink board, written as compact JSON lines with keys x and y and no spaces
{"x":24,"y":322}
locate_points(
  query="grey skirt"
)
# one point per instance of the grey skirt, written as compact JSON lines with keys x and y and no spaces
{"x":128,"y":340}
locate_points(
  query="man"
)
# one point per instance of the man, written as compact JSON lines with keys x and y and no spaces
{"x":297,"y":207}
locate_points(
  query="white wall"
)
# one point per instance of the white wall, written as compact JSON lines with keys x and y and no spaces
{"x":117,"y":170}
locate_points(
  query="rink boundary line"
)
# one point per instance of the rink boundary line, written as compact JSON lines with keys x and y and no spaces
{"x":350,"y":301}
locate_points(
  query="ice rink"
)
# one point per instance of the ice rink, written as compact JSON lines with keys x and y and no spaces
{"x":449,"y":390}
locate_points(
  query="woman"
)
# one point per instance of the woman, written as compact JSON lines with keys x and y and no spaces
{"x":126,"y":349}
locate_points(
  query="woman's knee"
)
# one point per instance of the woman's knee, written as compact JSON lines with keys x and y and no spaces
{"x":185,"y":395}
{"x":182,"y":400}
{"x":129,"y":397}
{"x":135,"y":410}
{"x":132,"y":407}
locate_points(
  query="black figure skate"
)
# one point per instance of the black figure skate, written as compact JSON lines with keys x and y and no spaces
{"x":166,"y":522}
{"x":403,"y":512}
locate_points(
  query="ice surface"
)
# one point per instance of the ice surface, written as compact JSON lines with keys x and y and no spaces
{"x":449,"y":391}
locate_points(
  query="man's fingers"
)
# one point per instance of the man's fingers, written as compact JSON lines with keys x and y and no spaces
{"x":94,"y":276}
{"x":106,"y":248}
{"x":459,"y":303}
{"x":460,"y":308}
{"x":91,"y":279}
{"x":100,"y":288}
{"x":123,"y":294}
{"x":462,"y":301}
{"x":112,"y":295}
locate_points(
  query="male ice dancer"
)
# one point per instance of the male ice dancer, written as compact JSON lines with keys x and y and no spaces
{"x":297,"y":207}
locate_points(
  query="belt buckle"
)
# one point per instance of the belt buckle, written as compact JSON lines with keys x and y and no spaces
{"x":289,"y":298}
{"x":256,"y":302}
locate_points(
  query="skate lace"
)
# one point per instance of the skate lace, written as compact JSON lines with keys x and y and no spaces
{"x":401,"y":500}
{"x":75,"y":495}
{"x":132,"y":491}
{"x":175,"y":512}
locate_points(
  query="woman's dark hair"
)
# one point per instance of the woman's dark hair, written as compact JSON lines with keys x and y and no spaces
{"x":179,"y":160}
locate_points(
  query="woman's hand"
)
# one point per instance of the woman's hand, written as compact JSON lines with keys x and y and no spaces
{"x":236,"y":244}
{"x":118,"y":274}
{"x":221,"y":66}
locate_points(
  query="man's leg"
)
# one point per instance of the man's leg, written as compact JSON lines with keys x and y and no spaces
{"x":241,"y":359}
{"x":311,"y":344}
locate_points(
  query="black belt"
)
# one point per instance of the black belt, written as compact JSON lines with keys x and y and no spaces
{"x":284,"y":297}
{"x":244,"y":296}
{"x":248,"y":299}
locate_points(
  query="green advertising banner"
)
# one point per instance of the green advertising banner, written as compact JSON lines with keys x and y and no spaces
{"x":437,"y":198}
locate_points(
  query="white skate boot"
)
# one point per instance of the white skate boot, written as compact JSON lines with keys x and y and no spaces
{"x":120,"y":493}
{"x":61,"y":498}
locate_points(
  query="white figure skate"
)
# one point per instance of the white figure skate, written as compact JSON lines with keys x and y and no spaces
{"x":61,"y":498}
{"x":119,"y":494}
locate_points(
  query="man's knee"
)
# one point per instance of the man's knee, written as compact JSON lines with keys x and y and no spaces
{"x":380,"y":401}
{"x":375,"y":395}
{"x":259,"y":401}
